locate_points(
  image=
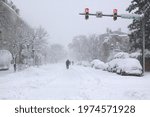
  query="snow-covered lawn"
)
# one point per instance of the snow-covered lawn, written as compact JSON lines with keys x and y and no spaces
{"x":54,"y":81}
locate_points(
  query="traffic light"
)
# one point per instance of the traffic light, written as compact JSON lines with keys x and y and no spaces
{"x":115,"y":14}
{"x":86,"y":13}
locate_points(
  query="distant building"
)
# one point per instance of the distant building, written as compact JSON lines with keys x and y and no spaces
{"x":113,"y":42}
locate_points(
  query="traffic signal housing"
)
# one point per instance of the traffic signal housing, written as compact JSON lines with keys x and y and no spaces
{"x":86,"y":13}
{"x":115,"y":14}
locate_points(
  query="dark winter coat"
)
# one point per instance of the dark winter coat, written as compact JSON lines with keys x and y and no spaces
{"x":67,"y":62}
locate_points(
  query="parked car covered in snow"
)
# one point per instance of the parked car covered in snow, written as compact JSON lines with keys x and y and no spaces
{"x":85,"y":64}
{"x":129,"y":66}
{"x":97,"y":64}
{"x":112,"y":65}
{"x":121,"y":55}
{"x":5,"y":59}
{"x":135,"y":55}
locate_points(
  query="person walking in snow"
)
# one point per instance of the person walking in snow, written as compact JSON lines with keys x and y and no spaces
{"x":14,"y":64}
{"x":15,"y":67}
{"x":67,"y":64}
{"x":72,"y":62}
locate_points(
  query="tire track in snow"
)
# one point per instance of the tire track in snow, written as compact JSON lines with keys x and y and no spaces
{"x":89,"y":82}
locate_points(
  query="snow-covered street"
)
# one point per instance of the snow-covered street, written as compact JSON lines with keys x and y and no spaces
{"x":54,"y":81}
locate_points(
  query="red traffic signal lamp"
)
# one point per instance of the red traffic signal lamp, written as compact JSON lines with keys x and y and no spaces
{"x":115,"y":14}
{"x":86,"y":13}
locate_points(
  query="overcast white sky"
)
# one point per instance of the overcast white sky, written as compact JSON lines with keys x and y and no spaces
{"x":60,"y":17}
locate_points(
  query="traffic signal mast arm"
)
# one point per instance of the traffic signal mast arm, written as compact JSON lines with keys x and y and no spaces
{"x":88,"y":14}
{"x":131,"y":16}
{"x":110,"y":15}
{"x":124,"y":16}
{"x":101,"y":15}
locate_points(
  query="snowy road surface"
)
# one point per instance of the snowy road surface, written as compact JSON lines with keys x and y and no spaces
{"x":55,"y":82}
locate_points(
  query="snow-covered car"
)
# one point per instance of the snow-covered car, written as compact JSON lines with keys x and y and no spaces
{"x":135,"y":55}
{"x":5,"y":59}
{"x":112,"y":65}
{"x":129,"y":66}
{"x":121,"y":55}
{"x":79,"y":63}
{"x":85,"y":64}
{"x":97,"y":64}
